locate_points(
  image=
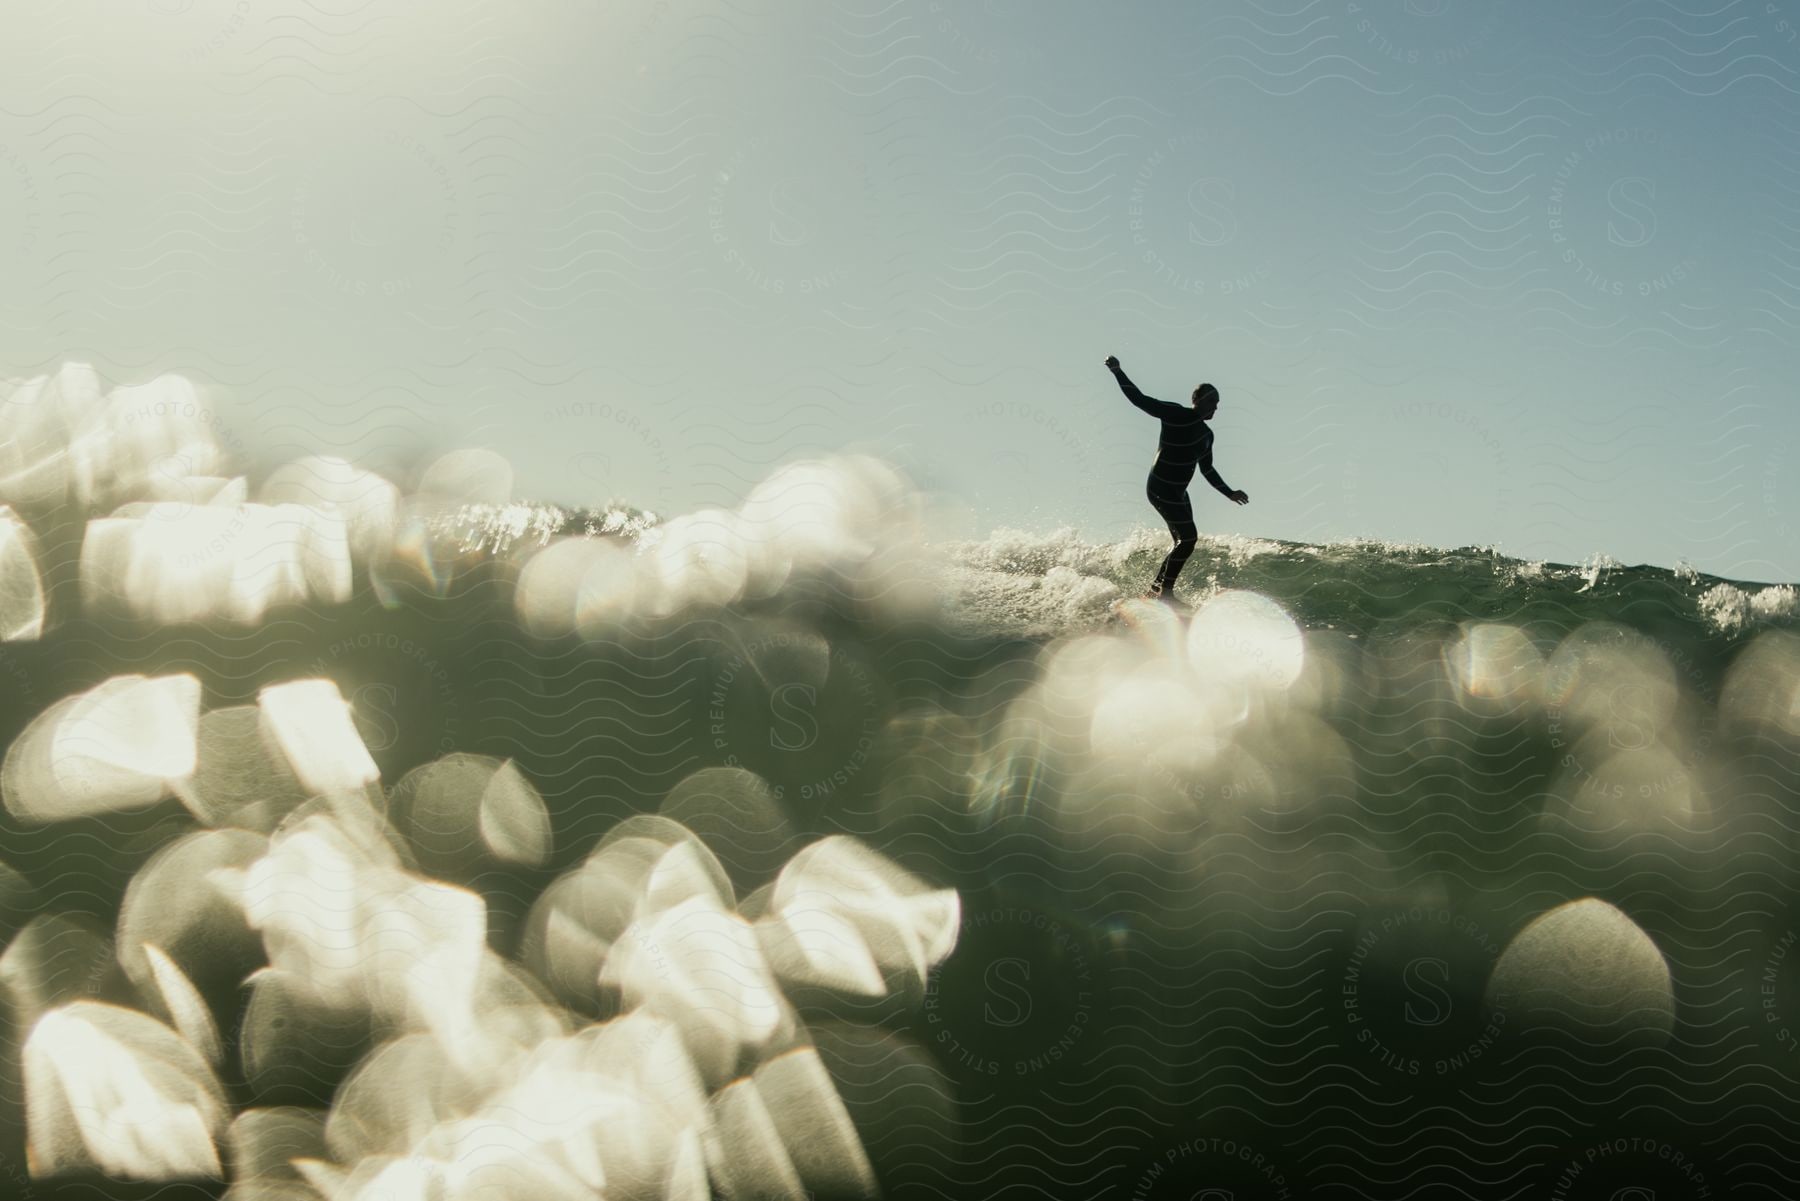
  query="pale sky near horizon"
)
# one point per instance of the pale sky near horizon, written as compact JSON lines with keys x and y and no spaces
{"x":1513,"y":274}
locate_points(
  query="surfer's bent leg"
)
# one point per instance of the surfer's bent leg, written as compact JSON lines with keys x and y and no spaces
{"x":1176,"y":510}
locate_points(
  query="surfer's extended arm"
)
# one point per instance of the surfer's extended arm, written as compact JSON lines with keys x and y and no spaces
{"x":1212,"y":476}
{"x":1150,"y":405}
{"x":1211,"y":473}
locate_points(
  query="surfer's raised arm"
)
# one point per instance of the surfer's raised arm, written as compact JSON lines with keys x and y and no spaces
{"x":1150,"y":405}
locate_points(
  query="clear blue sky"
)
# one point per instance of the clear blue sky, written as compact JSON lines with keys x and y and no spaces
{"x":1524,"y":274}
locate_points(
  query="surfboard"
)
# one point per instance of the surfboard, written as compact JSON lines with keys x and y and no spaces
{"x":1148,"y":615}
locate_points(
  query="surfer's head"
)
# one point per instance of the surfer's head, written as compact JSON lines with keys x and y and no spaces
{"x":1206,"y":399}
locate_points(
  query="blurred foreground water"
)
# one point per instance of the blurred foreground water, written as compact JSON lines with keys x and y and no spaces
{"x":371,"y":839}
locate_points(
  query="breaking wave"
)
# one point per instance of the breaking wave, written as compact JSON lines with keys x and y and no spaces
{"x":378,"y":837}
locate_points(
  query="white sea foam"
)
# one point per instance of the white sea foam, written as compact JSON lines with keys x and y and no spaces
{"x":1729,"y":608}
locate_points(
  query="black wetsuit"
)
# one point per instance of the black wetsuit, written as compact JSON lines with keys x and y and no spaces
{"x":1184,"y":445}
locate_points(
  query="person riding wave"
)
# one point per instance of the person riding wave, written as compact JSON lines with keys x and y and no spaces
{"x":1185,"y":445}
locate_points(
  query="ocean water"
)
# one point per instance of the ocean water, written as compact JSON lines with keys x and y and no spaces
{"x":392,"y":838}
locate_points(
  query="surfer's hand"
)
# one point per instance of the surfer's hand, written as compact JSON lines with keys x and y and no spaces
{"x":1112,"y":362}
{"x":1240,"y":496}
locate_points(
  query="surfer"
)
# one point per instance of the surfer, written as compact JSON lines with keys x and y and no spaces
{"x":1185,"y":443}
